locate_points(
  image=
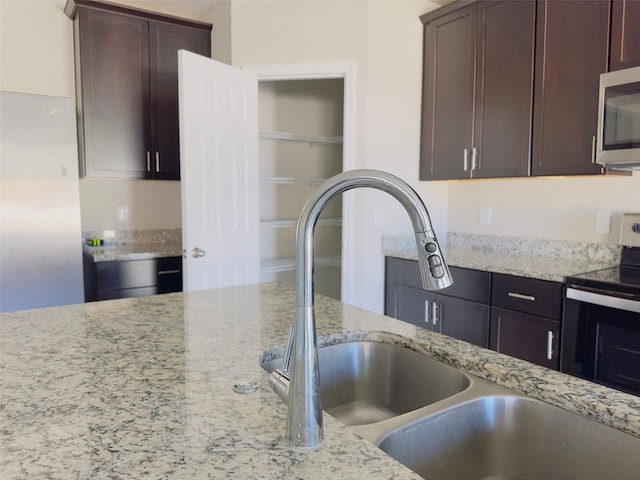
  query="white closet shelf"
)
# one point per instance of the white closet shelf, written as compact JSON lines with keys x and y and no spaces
{"x":291,"y":137}
{"x":289,"y":264}
{"x":293,"y":180}
{"x":292,"y":222}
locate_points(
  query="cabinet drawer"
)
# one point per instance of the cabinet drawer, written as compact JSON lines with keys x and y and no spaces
{"x":528,"y":295}
{"x":126,"y":293}
{"x":468,"y":284}
{"x":125,"y":274}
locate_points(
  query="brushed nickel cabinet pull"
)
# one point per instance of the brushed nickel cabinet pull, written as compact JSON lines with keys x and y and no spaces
{"x":521,"y":296}
{"x":168,"y":272}
{"x":426,"y":311}
{"x":157,"y":162}
{"x":550,"y":345}
{"x":435,"y":313}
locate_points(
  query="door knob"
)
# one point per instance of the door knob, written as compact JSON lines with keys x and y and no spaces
{"x":197,"y":252}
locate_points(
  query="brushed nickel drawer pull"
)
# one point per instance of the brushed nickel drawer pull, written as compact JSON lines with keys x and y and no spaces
{"x":550,"y":345}
{"x":521,"y":296}
{"x":168,"y":272}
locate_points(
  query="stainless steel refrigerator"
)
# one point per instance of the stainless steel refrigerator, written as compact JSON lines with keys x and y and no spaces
{"x":40,"y":232}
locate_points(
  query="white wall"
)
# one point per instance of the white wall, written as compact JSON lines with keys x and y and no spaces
{"x":36,"y":48}
{"x":384,"y":39}
{"x":36,"y":56}
{"x":561,"y":208}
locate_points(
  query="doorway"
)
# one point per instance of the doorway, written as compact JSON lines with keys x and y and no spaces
{"x":305,"y":136}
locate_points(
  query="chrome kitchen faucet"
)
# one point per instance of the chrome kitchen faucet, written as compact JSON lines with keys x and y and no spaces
{"x":302,"y":384}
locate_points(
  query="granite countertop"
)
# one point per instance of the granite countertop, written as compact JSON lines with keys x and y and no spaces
{"x":138,"y":251}
{"x":533,"y":258}
{"x":142,"y":387}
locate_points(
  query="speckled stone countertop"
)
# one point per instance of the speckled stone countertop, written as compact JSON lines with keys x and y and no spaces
{"x":134,"y":244}
{"x":534,"y":258}
{"x":138,"y":251}
{"x":142,"y":388}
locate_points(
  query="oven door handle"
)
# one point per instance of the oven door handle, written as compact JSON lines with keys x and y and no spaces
{"x":603,"y":300}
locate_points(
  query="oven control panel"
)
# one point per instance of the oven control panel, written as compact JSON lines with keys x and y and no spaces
{"x":630,"y":230}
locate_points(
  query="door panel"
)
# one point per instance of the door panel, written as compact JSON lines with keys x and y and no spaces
{"x":571,"y":53}
{"x":625,"y":34}
{"x":448,"y":96}
{"x":528,"y":337}
{"x":165,"y":41}
{"x":219,"y":163}
{"x":504,"y":98}
{"x":412,"y":305}
{"x":462,"y":319}
{"x":114,"y":88}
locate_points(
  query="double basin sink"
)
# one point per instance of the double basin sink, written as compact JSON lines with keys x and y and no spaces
{"x":446,"y":424}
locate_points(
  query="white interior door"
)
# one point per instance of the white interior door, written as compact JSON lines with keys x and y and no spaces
{"x":219,"y":173}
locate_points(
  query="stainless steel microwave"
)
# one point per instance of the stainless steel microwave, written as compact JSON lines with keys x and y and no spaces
{"x":618,"y":140}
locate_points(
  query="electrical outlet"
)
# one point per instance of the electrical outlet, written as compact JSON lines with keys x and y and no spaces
{"x":603,"y":222}
{"x":122,"y":213}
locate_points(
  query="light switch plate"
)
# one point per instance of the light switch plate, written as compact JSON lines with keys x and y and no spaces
{"x":484,"y":216}
{"x":630,"y":230}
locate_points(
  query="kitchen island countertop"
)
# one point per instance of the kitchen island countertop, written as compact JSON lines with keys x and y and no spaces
{"x":142,"y":388}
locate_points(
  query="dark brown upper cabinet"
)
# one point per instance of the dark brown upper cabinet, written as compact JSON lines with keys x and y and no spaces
{"x":625,"y":34}
{"x":127,"y":88}
{"x":477,"y":90}
{"x":572,"y":47}
{"x":510,"y":88}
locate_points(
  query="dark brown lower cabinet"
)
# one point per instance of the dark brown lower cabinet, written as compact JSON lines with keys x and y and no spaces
{"x":514,"y":315}
{"x":460,"y":314}
{"x":529,"y":337}
{"x":525,"y":318}
{"x":131,"y":278}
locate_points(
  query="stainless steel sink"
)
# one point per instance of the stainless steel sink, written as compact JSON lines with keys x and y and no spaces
{"x":363,"y":383}
{"x":502,"y":437}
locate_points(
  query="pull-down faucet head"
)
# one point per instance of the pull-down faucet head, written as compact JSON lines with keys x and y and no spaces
{"x":304,"y":419}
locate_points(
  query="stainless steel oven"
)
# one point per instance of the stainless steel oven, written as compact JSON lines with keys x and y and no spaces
{"x":600,"y":339}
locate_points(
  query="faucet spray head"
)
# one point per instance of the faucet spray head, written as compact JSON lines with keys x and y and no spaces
{"x":434,"y":272}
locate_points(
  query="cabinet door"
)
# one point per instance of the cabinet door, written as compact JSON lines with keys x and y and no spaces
{"x":448,"y":95}
{"x":165,"y":40}
{"x":113,"y":91}
{"x":504,"y":89}
{"x":625,"y":34}
{"x":169,"y":274}
{"x":413,"y":305}
{"x":524,"y":336}
{"x":571,"y":53}
{"x":462,"y":319}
